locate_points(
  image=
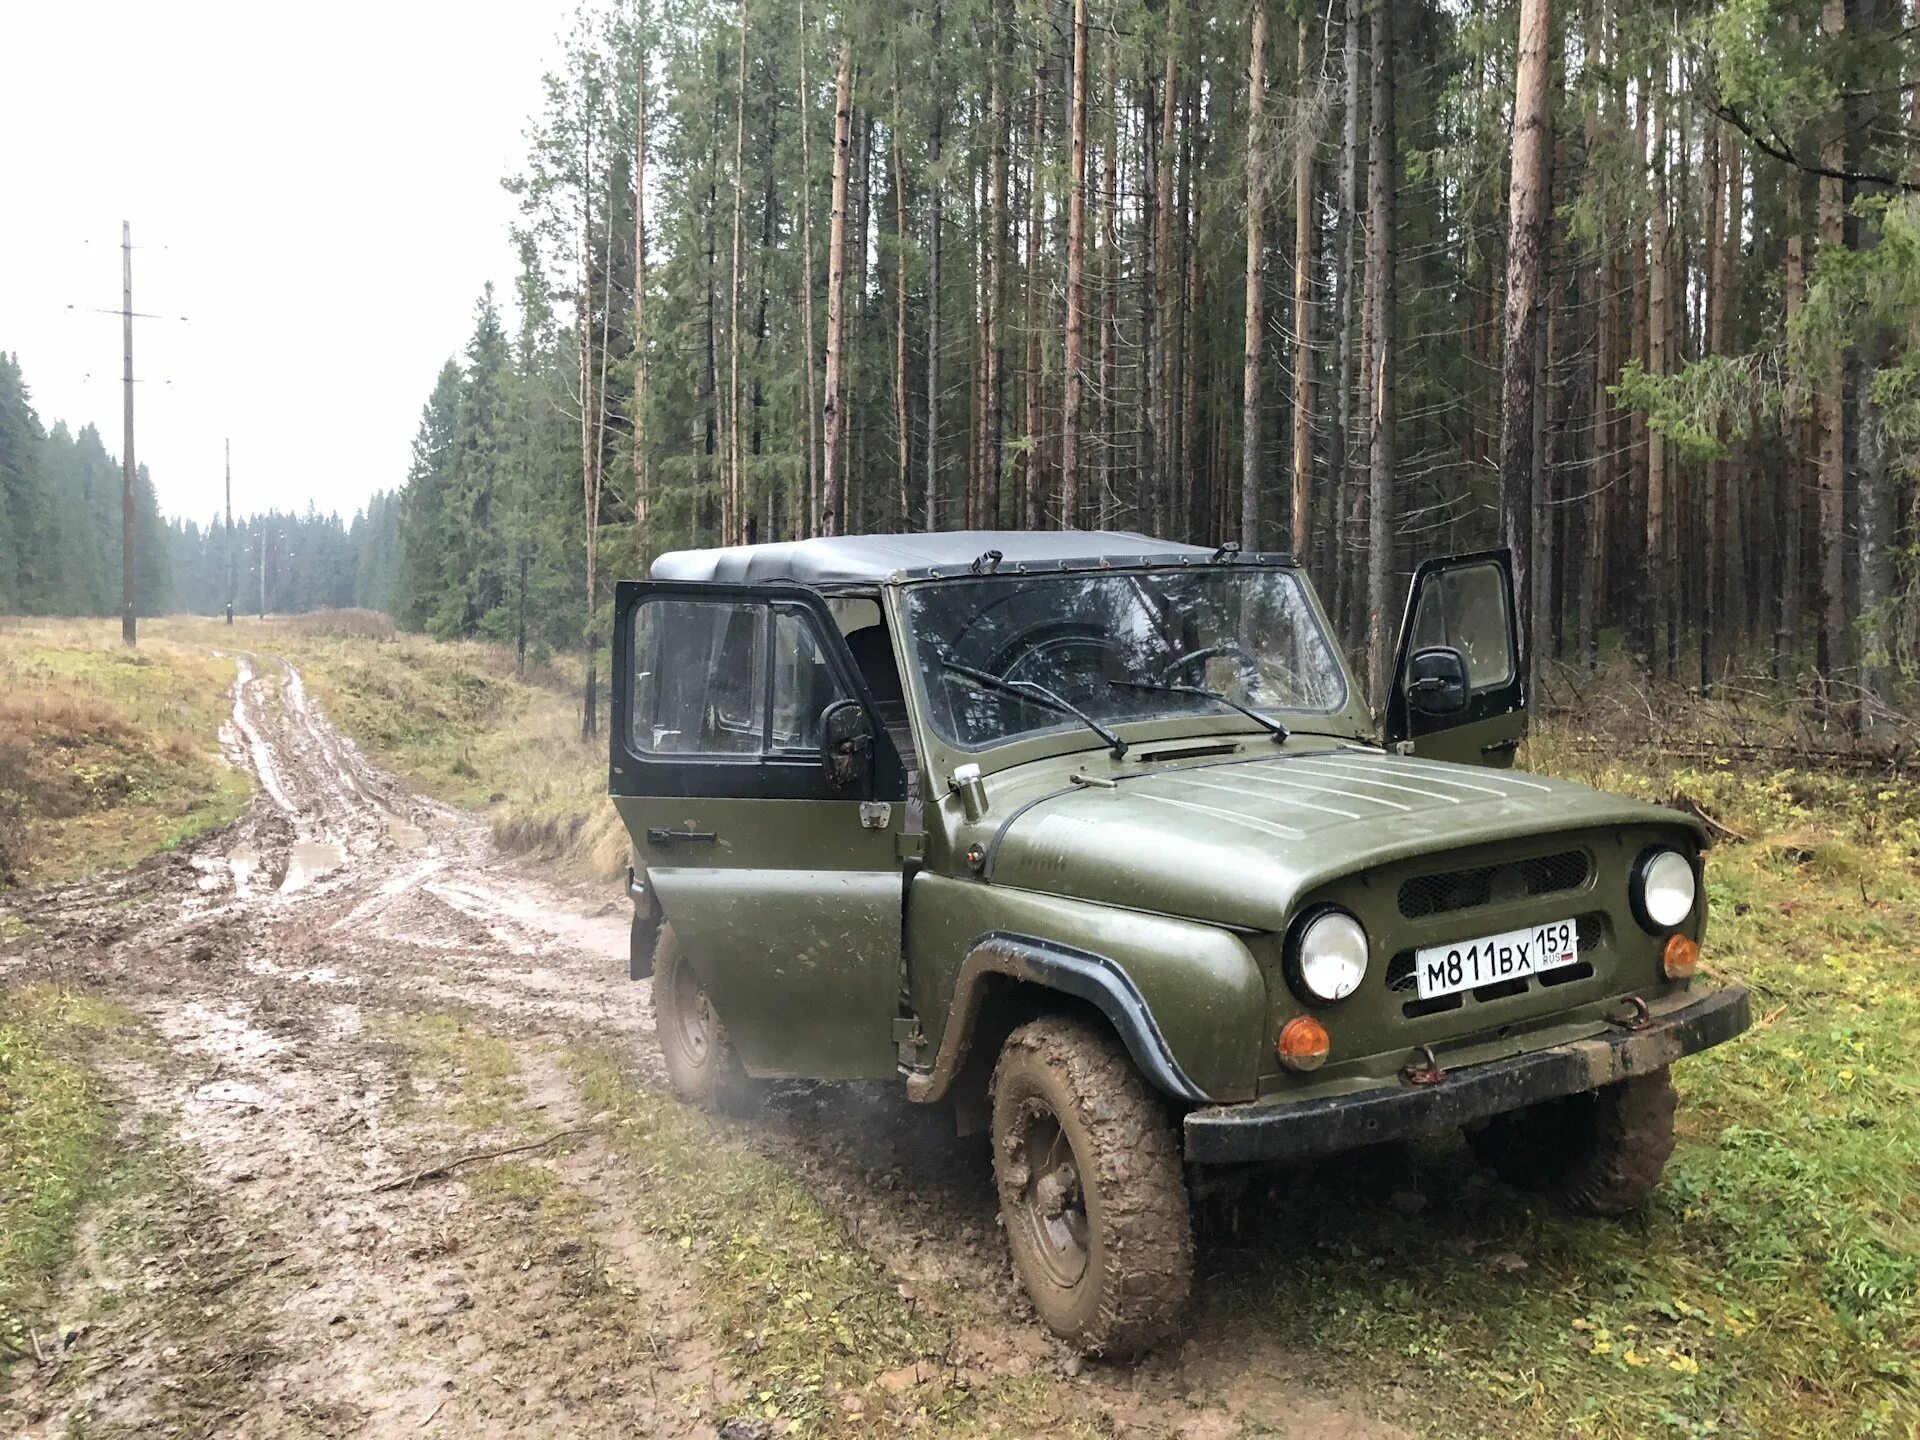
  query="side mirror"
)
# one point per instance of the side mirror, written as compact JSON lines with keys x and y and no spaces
{"x":1436,"y":681}
{"x":846,"y":742}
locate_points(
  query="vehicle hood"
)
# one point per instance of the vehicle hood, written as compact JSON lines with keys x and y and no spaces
{"x":1242,"y":843}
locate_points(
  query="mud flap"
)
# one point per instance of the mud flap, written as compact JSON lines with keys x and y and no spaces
{"x":646,"y":927}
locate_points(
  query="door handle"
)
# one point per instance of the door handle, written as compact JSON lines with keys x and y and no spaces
{"x":659,"y":835}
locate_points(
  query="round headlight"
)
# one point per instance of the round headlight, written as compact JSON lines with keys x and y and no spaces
{"x":1329,"y":957}
{"x":1666,"y":889}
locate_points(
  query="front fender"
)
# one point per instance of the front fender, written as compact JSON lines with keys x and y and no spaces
{"x":1188,"y":999}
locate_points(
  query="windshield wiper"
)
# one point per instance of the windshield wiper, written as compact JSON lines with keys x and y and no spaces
{"x":1037,"y":694}
{"x":1272,"y":726}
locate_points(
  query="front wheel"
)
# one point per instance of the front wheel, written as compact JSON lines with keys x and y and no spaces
{"x":1600,"y":1153}
{"x":1091,"y":1189}
{"x":700,"y":1059}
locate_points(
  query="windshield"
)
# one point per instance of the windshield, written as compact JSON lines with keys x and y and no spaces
{"x":1092,"y":640}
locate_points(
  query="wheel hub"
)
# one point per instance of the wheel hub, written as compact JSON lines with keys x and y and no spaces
{"x":694,"y":1013}
{"x":1052,"y":1206}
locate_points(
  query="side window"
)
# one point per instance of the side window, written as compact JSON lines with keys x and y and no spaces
{"x":803,"y":685}
{"x":1466,"y":608}
{"x":699,"y":683}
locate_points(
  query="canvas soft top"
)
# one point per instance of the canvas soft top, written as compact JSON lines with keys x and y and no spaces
{"x":859,"y":560}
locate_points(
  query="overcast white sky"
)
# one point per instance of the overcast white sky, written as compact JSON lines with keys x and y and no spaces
{"x":317,"y":189}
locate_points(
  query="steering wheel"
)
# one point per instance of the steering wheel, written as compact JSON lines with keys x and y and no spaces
{"x":1039,"y":657}
{"x":1182,"y":665}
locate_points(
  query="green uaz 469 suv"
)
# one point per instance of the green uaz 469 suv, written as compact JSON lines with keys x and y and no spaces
{"x":1093,"y":837}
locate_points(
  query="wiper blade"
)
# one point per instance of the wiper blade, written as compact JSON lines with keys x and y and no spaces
{"x":1038,"y":694}
{"x":1272,"y":726}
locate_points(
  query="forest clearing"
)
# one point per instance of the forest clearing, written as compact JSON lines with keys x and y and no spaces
{"x":221,"y":1057}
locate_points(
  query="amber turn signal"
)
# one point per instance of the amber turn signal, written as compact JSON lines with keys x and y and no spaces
{"x":1303,"y":1043}
{"x":1680,"y":959}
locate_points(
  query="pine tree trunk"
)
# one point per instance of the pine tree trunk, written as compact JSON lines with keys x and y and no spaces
{"x":641,"y":498}
{"x":1382,"y":306}
{"x":1146,"y":496}
{"x":1109,"y":286}
{"x":1076,"y":277}
{"x":1303,"y":217}
{"x":1165,"y":268}
{"x":933,"y":284}
{"x":1256,"y":323}
{"x":1714,"y":258}
{"x":807,"y":520}
{"x":1032,"y":466}
{"x":1345,"y":489}
{"x":1830,"y":407}
{"x":589,"y":469}
{"x":1797,"y":445}
{"x":835,"y":419}
{"x":902,"y":437}
{"x":993,"y":463}
{"x":1660,"y":609}
{"x":734,"y":521}
{"x":1528,"y":203}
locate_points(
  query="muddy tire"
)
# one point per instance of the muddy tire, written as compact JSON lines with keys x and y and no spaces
{"x":700,"y":1059}
{"x":1091,"y":1189}
{"x":1599,"y":1153}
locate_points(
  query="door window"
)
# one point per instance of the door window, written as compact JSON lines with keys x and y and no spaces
{"x":803,"y":684}
{"x":699,"y":677}
{"x":1465,"y":609}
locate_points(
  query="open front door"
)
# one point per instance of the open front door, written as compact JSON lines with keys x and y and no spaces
{"x":1459,"y":691}
{"x":765,"y":804}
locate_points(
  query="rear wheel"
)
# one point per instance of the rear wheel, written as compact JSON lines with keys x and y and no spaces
{"x":700,"y":1058}
{"x":1601,"y":1152}
{"x":1091,"y":1190}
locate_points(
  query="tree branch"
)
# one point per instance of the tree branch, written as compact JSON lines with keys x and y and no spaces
{"x":1782,"y":151}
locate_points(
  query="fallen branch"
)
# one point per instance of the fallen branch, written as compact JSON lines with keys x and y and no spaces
{"x":447,"y":1167}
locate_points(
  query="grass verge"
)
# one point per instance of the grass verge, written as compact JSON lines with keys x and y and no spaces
{"x":56,"y":1133}
{"x":106,"y":754}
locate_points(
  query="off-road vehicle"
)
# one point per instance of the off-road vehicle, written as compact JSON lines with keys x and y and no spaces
{"x":1092,"y":837}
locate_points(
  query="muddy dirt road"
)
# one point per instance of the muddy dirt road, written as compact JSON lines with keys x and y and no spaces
{"x":351,"y":984}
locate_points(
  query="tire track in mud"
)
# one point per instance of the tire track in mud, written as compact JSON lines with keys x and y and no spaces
{"x":283,"y":963}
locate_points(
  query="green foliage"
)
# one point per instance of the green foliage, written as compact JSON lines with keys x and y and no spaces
{"x":60,"y":518}
{"x":1711,"y":401}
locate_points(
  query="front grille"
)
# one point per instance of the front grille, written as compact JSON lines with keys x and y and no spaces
{"x":1449,"y":890}
{"x":1400,"y":979}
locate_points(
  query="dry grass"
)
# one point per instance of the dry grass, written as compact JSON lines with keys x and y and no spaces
{"x":106,"y":754}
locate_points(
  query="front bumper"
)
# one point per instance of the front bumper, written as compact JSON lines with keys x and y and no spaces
{"x":1279,"y":1129}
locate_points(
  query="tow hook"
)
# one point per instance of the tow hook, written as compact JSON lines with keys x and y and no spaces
{"x":1640,"y":1019}
{"x":1424,"y":1071}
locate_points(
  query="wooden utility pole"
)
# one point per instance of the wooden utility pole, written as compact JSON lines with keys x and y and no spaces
{"x":126,"y":460}
{"x":1527,"y":209}
{"x":1256,"y":288}
{"x":1076,"y":277}
{"x":229,"y":532}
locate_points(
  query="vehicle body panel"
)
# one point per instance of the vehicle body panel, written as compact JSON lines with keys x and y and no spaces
{"x":841,"y":938}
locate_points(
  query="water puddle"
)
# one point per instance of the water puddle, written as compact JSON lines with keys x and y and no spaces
{"x":311,"y":859}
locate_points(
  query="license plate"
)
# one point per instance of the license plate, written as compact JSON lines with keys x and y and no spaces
{"x":1512,"y":955}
